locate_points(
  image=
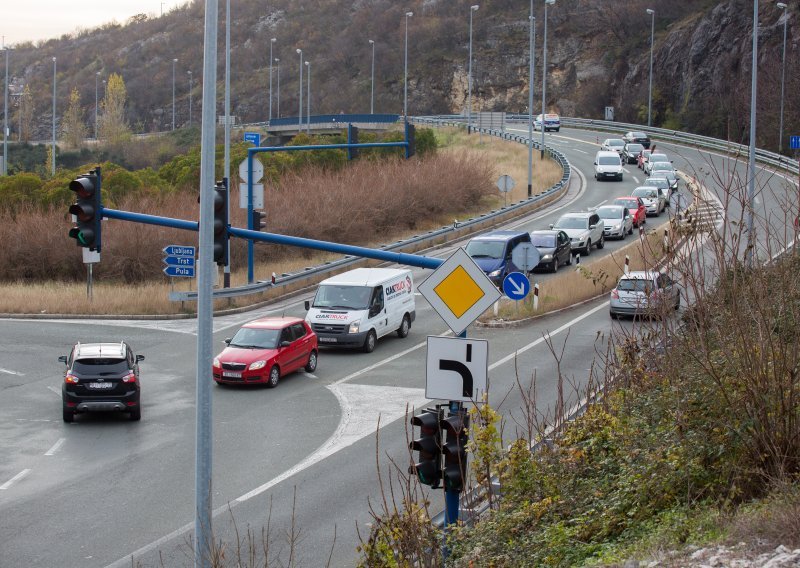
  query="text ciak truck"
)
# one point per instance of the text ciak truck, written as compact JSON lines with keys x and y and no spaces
{"x":355,"y":308}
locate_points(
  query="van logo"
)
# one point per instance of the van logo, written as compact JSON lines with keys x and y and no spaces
{"x":398,"y":288}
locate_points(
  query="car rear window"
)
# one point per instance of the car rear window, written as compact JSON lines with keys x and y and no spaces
{"x":572,"y":223}
{"x":634,"y":285}
{"x":100,"y":366}
{"x":610,"y":212}
{"x":629,"y":203}
{"x":543,"y":240}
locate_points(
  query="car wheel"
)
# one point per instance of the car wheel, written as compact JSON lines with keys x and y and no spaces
{"x":613,"y":315}
{"x":274,"y":377}
{"x":369,"y":342}
{"x":554,"y":268}
{"x":630,"y":231}
{"x":404,"y":328}
{"x":619,"y":178}
{"x":68,"y":415}
{"x":569,"y":259}
{"x":311,"y":366}
{"x":136,"y":414}
{"x":601,"y":243}
{"x":588,"y":250}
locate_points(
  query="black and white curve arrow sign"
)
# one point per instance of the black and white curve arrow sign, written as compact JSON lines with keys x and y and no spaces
{"x":457,"y":369}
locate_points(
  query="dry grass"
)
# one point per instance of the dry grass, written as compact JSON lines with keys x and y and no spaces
{"x":592,"y":279}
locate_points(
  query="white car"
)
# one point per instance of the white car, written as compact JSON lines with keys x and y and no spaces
{"x":607,"y":165}
{"x":654,"y":198}
{"x":652,"y":159}
{"x":617,"y":221}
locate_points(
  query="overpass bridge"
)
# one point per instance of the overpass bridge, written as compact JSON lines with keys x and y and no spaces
{"x":328,"y":123}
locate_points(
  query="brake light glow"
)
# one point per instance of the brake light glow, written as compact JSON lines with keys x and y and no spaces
{"x":129,"y":378}
{"x":615,"y":294}
{"x":71,"y":379}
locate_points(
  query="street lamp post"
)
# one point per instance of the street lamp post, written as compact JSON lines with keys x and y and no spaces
{"x":278,"y":101}
{"x":53,"y":161}
{"x":372,"y":88}
{"x":5,"y":119}
{"x":190,"y":98}
{"x":650,"y":90}
{"x":308,"y":99}
{"x":174,"y":61}
{"x":531,"y":45}
{"x":97,"y":76}
{"x":751,"y":162}
{"x":300,"y":113}
{"x":782,"y":6}
{"x":271,"y":43}
{"x":226,"y":165}
{"x":472,"y":10}
{"x":405,"y":72}
{"x":544,"y":71}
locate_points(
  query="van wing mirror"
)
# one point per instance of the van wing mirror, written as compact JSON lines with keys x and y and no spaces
{"x":139,"y":358}
{"x":307,"y":305}
{"x":63,"y":358}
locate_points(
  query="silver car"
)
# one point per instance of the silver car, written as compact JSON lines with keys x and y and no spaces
{"x":585,"y":230}
{"x":644,"y":293}
{"x":654,"y":198}
{"x":652,"y":159}
{"x":617,"y":221}
{"x":613,"y":145}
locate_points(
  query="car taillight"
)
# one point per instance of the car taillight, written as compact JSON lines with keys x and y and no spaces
{"x":615,"y":294}
{"x":129,"y":378}
{"x":71,"y":379}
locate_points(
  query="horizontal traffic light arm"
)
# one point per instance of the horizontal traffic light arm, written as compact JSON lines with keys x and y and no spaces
{"x":397,"y":257}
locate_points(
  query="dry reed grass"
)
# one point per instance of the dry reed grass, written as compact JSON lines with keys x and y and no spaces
{"x":592,"y":279}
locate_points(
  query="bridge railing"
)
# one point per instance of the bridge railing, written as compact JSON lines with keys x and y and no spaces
{"x":328,"y":118}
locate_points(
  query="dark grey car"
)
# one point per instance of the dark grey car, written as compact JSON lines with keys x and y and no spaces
{"x":554,"y":249}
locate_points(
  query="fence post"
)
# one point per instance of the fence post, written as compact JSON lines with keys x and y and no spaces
{"x":536,"y":296}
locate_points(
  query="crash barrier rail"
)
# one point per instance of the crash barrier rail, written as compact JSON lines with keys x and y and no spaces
{"x":326,"y":118}
{"x":287,"y":282}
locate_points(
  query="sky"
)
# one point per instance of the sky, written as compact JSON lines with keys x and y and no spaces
{"x":33,"y":20}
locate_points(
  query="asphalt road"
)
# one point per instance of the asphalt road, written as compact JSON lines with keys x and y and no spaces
{"x":308,"y":454}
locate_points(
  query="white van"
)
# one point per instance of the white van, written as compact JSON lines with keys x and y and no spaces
{"x":607,"y":165}
{"x":355,"y":308}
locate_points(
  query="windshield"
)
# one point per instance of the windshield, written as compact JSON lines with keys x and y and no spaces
{"x":634,"y":148}
{"x":608,"y":161}
{"x":645,"y":192}
{"x":572,"y":223}
{"x":343,"y":297}
{"x":629,"y":203}
{"x":486,"y":249}
{"x":100,"y":366}
{"x":634,"y":285}
{"x":252,"y":338}
{"x":657,"y":182}
{"x":615,"y":142}
{"x":543,"y":240}
{"x":610,"y":212}
{"x":658,"y":158}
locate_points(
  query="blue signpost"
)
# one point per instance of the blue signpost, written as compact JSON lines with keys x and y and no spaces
{"x":179,"y":261}
{"x":516,"y":285}
{"x":179,"y":271}
{"x":794,"y":142}
{"x":253,"y":137}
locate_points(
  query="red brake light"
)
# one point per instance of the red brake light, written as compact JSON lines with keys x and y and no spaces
{"x":71,"y":379}
{"x":615,"y":294}
{"x":129,"y":378}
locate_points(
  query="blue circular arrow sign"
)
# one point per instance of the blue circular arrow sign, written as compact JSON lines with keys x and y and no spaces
{"x":516,"y":285}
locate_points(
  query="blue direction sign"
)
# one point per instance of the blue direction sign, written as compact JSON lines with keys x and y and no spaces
{"x":179,"y":260}
{"x":516,"y":285}
{"x":179,"y":250}
{"x":794,"y":142}
{"x":254,"y":138}
{"x":182,"y":271}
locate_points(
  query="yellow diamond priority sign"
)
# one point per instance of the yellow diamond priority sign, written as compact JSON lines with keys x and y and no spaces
{"x":459,"y":291}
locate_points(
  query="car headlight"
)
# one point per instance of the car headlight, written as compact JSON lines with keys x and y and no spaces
{"x":616,"y":227}
{"x":495,"y":273}
{"x":257,"y":365}
{"x":547,"y":257}
{"x":354,"y":327}
{"x":216,"y":362}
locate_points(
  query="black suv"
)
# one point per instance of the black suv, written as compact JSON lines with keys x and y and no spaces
{"x":101,"y":377}
{"x":638,"y":138}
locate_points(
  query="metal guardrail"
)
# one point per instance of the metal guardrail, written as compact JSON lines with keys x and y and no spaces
{"x":337,"y":118}
{"x":458,"y":228}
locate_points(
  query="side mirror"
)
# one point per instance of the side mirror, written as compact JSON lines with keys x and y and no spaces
{"x":63,"y":358}
{"x":551,"y":225}
{"x":307,"y":305}
{"x":592,"y":226}
{"x":285,"y":344}
{"x":139,"y":358}
{"x":595,"y":163}
{"x":227,"y":341}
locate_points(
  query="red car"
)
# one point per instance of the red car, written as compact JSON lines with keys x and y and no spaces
{"x":266,"y":349}
{"x":635,"y":206}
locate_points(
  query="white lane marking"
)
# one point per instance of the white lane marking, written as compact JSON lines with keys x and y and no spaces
{"x":10,"y":372}
{"x":14,"y":479}
{"x":581,"y":151}
{"x":599,"y":204}
{"x":636,"y":179}
{"x":54,"y":389}
{"x":55,"y":447}
{"x":533,"y":344}
{"x":310,"y":375}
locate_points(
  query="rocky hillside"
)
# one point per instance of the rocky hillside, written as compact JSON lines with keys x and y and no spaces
{"x":598,"y":56}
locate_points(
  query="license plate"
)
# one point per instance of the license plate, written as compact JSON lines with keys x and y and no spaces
{"x":232,"y":374}
{"x":327,"y":339}
{"x":101,"y":385}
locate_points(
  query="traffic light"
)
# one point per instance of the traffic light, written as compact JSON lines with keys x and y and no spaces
{"x":87,"y":209}
{"x":455,"y":450}
{"x":220,"y":223}
{"x":410,"y":130}
{"x":259,"y":220}
{"x":429,"y":446}
{"x":352,"y":138}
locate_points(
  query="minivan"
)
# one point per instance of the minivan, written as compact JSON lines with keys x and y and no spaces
{"x":492,"y":253}
{"x":607,"y":165}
